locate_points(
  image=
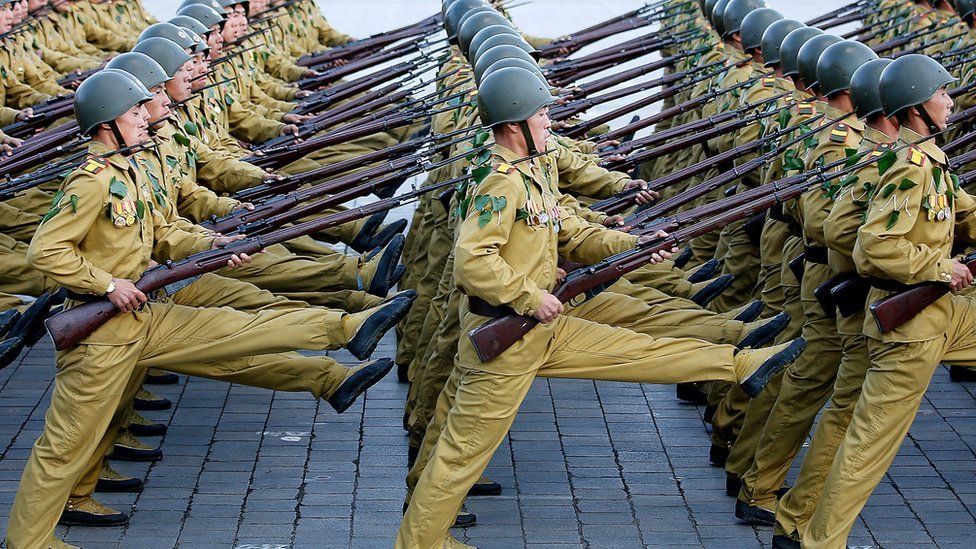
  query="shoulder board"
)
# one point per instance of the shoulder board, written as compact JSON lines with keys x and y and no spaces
{"x":838,"y":134}
{"x":806,"y":109}
{"x":94,"y":165}
{"x":505,"y":168}
{"x":916,"y":156}
{"x":768,"y":81}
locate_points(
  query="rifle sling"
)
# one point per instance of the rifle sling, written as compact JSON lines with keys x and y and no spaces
{"x":815,"y":254}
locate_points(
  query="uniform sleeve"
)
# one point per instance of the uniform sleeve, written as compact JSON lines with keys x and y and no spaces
{"x":21,"y":95}
{"x":586,"y":243}
{"x":54,"y":250}
{"x":965,"y":206}
{"x":479,"y":270}
{"x":173,"y":242}
{"x":222,"y":172}
{"x":250,"y":127}
{"x":581,"y":176}
{"x":327,"y":35}
{"x":573,"y":205}
{"x":883,"y":247}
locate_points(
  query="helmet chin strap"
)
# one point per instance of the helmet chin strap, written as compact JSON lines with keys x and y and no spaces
{"x":529,"y":140}
{"x":927,"y":119}
{"x":117,"y":134}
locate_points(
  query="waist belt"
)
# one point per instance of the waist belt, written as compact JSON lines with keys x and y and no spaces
{"x":481,"y":307}
{"x":889,"y":285}
{"x":85,"y":298}
{"x":815,"y":254}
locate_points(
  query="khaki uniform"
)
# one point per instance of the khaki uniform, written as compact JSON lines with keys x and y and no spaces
{"x":840,"y":232}
{"x":105,"y":227}
{"x":807,"y":383}
{"x":906,"y":238}
{"x":480,"y":401}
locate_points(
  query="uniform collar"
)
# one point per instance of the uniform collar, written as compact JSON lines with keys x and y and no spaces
{"x":928,"y":146}
{"x":874,"y":137}
{"x":851,"y":120}
{"x":507,"y":156}
{"x":99,"y":149}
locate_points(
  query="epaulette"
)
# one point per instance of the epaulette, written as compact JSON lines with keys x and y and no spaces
{"x":806,"y":109}
{"x":838,"y":134}
{"x":505,"y":168}
{"x":94,"y":165}
{"x":916,"y":156}
{"x":768,"y":81}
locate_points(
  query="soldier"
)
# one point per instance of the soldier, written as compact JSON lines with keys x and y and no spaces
{"x":806,"y":384}
{"x":495,"y":273}
{"x":840,"y":231}
{"x":102,"y":234}
{"x":907,"y":238}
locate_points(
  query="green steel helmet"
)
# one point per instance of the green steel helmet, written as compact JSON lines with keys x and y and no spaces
{"x":965,"y":8}
{"x":809,"y":55}
{"x":911,"y":80}
{"x":452,"y":18}
{"x":488,"y":32}
{"x":865,"y":94}
{"x":511,"y":95}
{"x":790,"y":48}
{"x":754,"y":26}
{"x":772,"y":39}
{"x":708,"y":7}
{"x":837,"y":64}
{"x":511,"y":62}
{"x":186,"y":22}
{"x":143,"y":67}
{"x":204,"y":14}
{"x":201,"y":45}
{"x":471,"y":25}
{"x":167,"y":53}
{"x":171,"y":32}
{"x":212,"y":4}
{"x":228,"y":3}
{"x":716,"y":17}
{"x":499,"y":52}
{"x":107,"y":95}
{"x":507,"y":40}
{"x":735,"y":12}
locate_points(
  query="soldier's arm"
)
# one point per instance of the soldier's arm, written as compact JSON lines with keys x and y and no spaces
{"x":582,"y":176}
{"x":883,"y":248}
{"x":479,"y":270}
{"x":174,"y":242}
{"x":571,"y":204}
{"x":965,"y":206}
{"x":222,"y":172}
{"x":250,"y":127}
{"x":20,"y":95}
{"x":55,"y":251}
{"x":586,"y":243}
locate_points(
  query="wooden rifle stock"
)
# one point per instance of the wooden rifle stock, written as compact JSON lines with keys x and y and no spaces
{"x":71,"y":326}
{"x":897,"y":308}
{"x":494,"y":337}
{"x":850,"y":295}
{"x":824,"y":294}
{"x":797,"y":266}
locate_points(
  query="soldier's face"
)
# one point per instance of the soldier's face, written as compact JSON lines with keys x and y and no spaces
{"x":216,"y":41}
{"x":36,"y":4}
{"x":134,"y":126}
{"x":159,"y":106}
{"x":20,"y":11}
{"x":539,"y":124}
{"x":257,"y":6}
{"x":179,"y":87}
{"x":939,"y":107}
{"x":6,"y":18}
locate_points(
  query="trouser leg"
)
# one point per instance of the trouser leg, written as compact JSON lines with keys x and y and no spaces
{"x":806,"y":386}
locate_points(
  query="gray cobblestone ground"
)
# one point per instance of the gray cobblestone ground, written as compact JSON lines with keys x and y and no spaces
{"x":587,"y":464}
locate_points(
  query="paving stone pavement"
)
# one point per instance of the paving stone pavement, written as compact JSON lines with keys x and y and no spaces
{"x":596,"y":465}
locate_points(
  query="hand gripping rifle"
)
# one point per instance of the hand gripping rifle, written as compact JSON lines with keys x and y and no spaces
{"x":494,"y":337}
{"x":73,"y":325}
